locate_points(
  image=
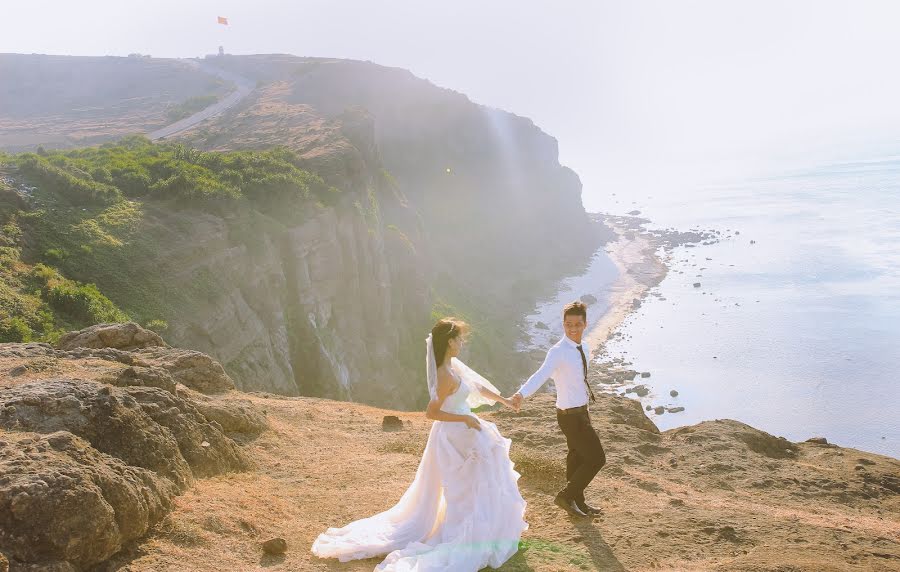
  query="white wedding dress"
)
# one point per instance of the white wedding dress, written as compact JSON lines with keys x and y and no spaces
{"x":462,"y":512}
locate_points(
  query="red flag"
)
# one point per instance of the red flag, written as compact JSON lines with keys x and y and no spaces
{"x":223,"y":20}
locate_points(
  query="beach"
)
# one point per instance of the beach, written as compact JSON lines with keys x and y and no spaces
{"x":640,"y":267}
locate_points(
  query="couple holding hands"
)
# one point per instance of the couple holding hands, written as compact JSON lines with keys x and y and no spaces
{"x":463,"y":510}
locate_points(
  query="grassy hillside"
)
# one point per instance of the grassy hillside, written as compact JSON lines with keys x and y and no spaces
{"x":73,"y":219}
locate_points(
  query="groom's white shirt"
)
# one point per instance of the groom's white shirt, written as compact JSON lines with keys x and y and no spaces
{"x":563,"y":364}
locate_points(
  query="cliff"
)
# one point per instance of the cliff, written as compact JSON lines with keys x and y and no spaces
{"x":198,"y":476}
{"x":446,"y":207}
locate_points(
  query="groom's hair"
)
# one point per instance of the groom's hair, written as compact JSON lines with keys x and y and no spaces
{"x":576,"y":308}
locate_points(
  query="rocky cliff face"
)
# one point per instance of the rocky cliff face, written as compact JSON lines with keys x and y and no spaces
{"x":328,"y":307}
{"x":447,"y":207}
{"x":495,"y":219}
{"x":312,"y":309}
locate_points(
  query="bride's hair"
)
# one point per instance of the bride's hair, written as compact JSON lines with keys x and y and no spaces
{"x":443,"y":331}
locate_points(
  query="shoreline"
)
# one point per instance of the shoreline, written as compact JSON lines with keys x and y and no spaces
{"x":635,"y":254}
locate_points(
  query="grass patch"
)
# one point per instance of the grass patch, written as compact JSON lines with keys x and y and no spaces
{"x":190,"y":106}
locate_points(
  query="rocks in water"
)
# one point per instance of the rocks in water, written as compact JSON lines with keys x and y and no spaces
{"x":640,"y":390}
{"x":696,"y":284}
{"x":275,"y":546}
{"x":645,"y":374}
{"x":541,"y":326}
{"x":391,"y":423}
{"x":659,"y":409}
{"x":634,"y":212}
{"x":648,"y":407}
{"x":127,"y":336}
{"x":752,"y":242}
{"x":675,"y":409}
{"x":588,"y":299}
{"x":674,"y":393}
{"x":636,"y":303}
{"x":818,"y":440}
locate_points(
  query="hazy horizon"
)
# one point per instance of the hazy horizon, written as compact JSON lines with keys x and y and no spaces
{"x":645,"y":97}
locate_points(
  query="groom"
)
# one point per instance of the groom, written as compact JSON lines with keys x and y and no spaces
{"x":567,"y":363}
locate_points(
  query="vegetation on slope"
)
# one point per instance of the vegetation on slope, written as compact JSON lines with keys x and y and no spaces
{"x":72,"y":219}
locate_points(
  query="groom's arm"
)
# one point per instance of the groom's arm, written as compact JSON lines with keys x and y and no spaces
{"x":541,"y":376}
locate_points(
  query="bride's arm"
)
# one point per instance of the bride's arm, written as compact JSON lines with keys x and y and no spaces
{"x":445,"y":387}
{"x":494,"y":396}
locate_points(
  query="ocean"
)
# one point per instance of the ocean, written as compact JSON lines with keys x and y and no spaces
{"x":796,"y":333}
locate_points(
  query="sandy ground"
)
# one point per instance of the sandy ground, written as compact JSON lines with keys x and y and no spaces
{"x":690,"y":500}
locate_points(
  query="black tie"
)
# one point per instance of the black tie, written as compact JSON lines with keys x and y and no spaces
{"x":584,"y":363}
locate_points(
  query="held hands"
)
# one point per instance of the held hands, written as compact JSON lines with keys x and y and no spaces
{"x":516,"y":401}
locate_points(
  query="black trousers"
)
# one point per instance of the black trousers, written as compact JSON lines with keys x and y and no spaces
{"x":586,"y":455}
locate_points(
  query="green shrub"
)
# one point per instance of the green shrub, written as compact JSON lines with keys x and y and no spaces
{"x":15,"y":330}
{"x":136,"y":167}
{"x":158,"y":326}
{"x":74,"y":184}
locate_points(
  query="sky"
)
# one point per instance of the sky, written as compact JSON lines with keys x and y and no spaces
{"x":643,"y":96}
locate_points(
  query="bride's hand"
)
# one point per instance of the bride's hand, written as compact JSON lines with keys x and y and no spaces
{"x":472,"y":422}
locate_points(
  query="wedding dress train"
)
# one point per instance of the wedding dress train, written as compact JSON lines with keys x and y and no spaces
{"x":462,"y":512}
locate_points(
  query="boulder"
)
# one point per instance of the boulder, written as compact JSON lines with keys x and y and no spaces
{"x":234,"y":415}
{"x":275,"y":546}
{"x":143,"y":426}
{"x":128,"y":336}
{"x":391,"y":423}
{"x":66,"y":506}
{"x":193,"y":369}
{"x":136,"y":376}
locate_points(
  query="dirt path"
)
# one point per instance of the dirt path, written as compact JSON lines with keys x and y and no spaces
{"x":244,"y":88}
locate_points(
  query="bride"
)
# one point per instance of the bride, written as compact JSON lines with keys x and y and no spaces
{"x":463,"y":510}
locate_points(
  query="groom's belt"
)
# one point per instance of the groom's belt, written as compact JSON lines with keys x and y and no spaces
{"x":571,"y":410}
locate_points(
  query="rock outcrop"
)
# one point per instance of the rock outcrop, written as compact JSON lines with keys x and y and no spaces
{"x":128,"y":336}
{"x":95,"y":442}
{"x":66,"y":505}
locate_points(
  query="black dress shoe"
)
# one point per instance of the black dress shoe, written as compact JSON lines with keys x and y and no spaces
{"x":569,"y":506}
{"x":587,"y":509}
